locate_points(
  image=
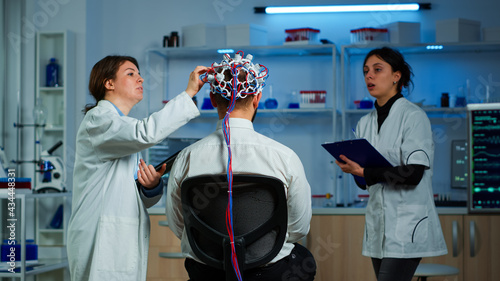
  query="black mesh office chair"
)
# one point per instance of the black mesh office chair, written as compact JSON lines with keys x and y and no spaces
{"x":259,"y":219}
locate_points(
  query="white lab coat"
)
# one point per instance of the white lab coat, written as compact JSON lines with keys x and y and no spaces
{"x":108,"y":236}
{"x":402,"y":222}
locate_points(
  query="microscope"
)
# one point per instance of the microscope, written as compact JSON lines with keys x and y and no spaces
{"x":51,"y":176}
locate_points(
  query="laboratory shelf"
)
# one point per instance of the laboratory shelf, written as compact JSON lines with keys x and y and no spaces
{"x":43,"y":265}
{"x":261,"y":51}
{"x":52,"y":89}
{"x":57,"y":102}
{"x":431,"y":111}
{"x":425,"y":48}
{"x":316,"y":112}
{"x":18,"y":215}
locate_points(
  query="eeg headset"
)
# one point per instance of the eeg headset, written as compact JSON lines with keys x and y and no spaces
{"x":236,"y":78}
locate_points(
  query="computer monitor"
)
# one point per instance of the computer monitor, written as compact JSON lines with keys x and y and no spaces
{"x":484,"y":157}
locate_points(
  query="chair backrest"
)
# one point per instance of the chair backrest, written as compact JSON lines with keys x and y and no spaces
{"x":259,"y":219}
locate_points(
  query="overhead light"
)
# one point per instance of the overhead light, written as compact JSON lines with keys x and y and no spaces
{"x":434,"y":47}
{"x":225,"y":51}
{"x":342,"y":8}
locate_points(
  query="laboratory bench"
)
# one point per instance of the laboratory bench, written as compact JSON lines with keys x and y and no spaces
{"x":336,"y":236}
{"x":343,"y":211}
{"x":335,"y":239}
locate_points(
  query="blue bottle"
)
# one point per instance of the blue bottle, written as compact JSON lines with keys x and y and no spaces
{"x":57,"y":220}
{"x":52,"y":79}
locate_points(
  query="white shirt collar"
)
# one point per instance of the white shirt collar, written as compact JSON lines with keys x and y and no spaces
{"x":236,"y":123}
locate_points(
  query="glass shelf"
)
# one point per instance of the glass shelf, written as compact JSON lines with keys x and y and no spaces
{"x":327,"y":112}
{"x":261,"y":51}
{"x":460,"y":110}
{"x":421,"y":48}
{"x":52,"y":89}
{"x":43,"y":265}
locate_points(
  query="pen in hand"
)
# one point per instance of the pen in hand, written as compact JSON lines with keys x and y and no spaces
{"x":354,"y":132}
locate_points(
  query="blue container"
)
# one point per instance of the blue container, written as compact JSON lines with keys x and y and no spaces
{"x":365,"y":104}
{"x":31,"y":250}
{"x":52,"y":74}
{"x":207,"y":104}
{"x":271,"y":103}
{"x":7,"y":254}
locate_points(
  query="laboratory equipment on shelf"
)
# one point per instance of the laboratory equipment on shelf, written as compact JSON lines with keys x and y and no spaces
{"x":52,"y":72}
{"x":271,"y":102}
{"x":40,"y":117}
{"x":52,"y":177}
{"x":312,"y":99}
{"x":3,"y":164}
{"x":294,"y":100}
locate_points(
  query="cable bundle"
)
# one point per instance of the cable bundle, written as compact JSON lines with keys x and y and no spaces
{"x":243,"y":78}
{"x":229,"y":210}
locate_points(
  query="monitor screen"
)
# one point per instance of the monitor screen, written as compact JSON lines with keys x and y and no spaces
{"x":484,"y":160}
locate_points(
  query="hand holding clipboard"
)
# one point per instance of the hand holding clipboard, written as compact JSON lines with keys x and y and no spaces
{"x":359,"y":151}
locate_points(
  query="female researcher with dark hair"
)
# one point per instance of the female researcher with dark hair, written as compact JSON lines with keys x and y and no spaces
{"x":108,"y":236}
{"x":401,"y":222}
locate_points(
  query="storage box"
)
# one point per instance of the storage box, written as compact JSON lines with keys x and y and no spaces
{"x":491,"y":34}
{"x":22,"y":186}
{"x":203,"y":35}
{"x":15,"y":183}
{"x":245,"y":35}
{"x":404,"y":32}
{"x":457,"y":30}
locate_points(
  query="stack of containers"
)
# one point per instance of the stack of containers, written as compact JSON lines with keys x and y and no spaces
{"x":369,"y":35}
{"x":302,"y":36}
{"x":312,"y":99}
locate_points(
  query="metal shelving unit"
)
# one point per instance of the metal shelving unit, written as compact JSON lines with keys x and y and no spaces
{"x":18,"y":216}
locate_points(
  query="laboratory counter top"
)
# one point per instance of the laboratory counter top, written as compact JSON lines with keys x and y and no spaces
{"x":361,"y":211}
{"x":345,"y":211}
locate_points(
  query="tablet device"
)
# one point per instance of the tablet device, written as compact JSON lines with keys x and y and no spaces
{"x":169,"y":161}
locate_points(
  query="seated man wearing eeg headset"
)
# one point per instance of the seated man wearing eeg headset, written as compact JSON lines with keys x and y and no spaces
{"x":236,"y":89}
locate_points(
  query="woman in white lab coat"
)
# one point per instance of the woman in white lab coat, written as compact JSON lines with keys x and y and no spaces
{"x":108,"y":236}
{"x":402,"y":224}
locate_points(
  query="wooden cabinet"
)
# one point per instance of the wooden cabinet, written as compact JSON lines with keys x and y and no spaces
{"x":473,"y":247}
{"x":472,"y":240}
{"x":336,"y":242}
{"x":453,"y":230}
{"x":481,"y":247}
{"x":163,"y":240}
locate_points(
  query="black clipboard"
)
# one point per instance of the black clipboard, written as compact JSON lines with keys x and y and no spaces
{"x":169,"y":161}
{"x":359,"y":151}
